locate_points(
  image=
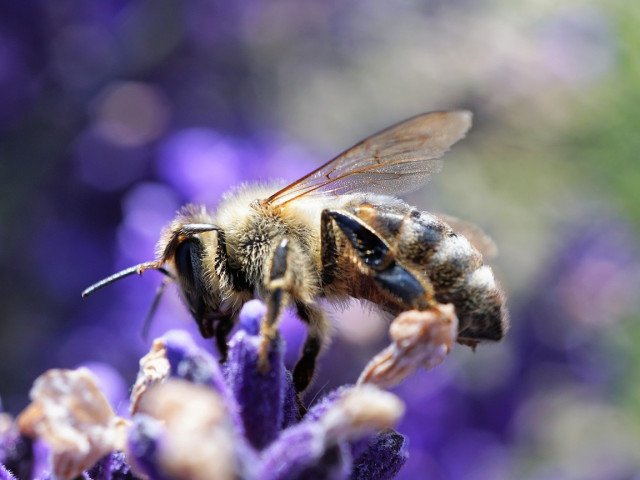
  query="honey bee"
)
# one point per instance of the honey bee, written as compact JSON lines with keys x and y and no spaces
{"x":337,"y":233}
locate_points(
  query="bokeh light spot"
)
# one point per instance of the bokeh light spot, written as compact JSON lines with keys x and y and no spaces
{"x":578,"y":45}
{"x":130,"y":114}
{"x":83,"y":55}
{"x":147,"y":209}
{"x":105,"y":166}
{"x":202,"y":164}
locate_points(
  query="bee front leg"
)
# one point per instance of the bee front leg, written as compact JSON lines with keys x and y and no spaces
{"x":278,"y":283}
{"x":393,"y":278}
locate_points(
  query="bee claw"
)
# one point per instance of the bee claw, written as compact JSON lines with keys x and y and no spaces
{"x":263,"y":364}
{"x":263,"y":354}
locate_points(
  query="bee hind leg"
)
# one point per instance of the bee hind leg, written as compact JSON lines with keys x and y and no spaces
{"x":393,"y":278}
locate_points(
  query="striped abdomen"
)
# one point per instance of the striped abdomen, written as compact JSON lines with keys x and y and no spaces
{"x":428,"y":246}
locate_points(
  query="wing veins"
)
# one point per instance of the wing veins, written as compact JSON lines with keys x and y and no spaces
{"x":387,"y":155}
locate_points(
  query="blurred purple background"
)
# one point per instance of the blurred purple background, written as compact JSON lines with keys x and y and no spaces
{"x":115,"y":113}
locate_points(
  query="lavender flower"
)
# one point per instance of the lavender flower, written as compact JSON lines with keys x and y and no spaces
{"x":383,"y":457}
{"x":5,"y":474}
{"x":112,"y":467}
{"x":193,"y":420}
{"x":16,"y":453}
{"x":260,"y":395}
{"x":320,"y":446}
{"x":188,"y":434}
{"x":72,"y":415}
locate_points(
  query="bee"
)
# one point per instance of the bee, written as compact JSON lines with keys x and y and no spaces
{"x":337,"y":233}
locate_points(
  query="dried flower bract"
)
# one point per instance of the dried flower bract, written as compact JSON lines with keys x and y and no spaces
{"x":154,"y":368}
{"x":73,"y":416}
{"x":418,"y":339}
{"x":196,"y":420}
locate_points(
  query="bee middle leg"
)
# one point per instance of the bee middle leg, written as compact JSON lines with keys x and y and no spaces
{"x":317,"y":327}
{"x":223,"y":327}
{"x":393,"y":278}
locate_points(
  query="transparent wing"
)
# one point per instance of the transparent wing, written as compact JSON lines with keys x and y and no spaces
{"x":393,"y":161}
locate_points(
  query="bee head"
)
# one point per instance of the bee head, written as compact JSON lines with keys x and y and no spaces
{"x":181,"y":247}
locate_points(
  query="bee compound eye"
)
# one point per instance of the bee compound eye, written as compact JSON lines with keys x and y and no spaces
{"x":188,"y":260}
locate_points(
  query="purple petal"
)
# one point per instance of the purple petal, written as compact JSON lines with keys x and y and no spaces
{"x":317,"y":410}
{"x":383,"y":459}
{"x":318,"y":447}
{"x":302,"y":452}
{"x":251,"y":315}
{"x":190,"y":362}
{"x":112,"y":467}
{"x":47,"y":476}
{"x":50,"y":476}
{"x":361,"y":445}
{"x":260,"y":396}
{"x":195,"y":434}
{"x":41,"y":459}
{"x":5,"y":474}
{"x":142,"y":444}
{"x":16,"y":454}
{"x":291,"y":406}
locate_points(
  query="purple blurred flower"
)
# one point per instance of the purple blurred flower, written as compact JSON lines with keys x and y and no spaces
{"x":579,"y":44}
{"x":201,"y":164}
{"x":106,"y":166}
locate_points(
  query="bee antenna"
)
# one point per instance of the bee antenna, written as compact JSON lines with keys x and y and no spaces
{"x":125,"y":273}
